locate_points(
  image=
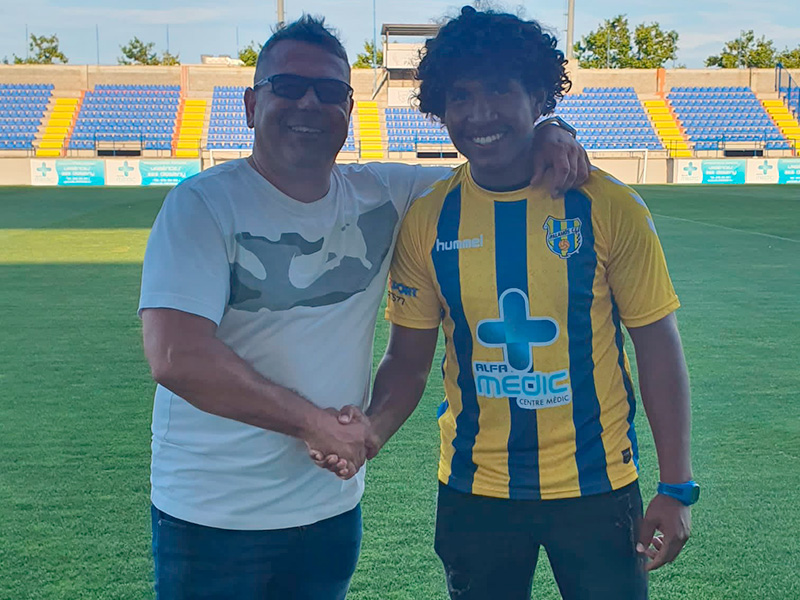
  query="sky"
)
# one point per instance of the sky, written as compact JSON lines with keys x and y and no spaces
{"x":195,"y":27}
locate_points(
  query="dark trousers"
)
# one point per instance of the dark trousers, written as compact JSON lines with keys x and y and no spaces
{"x":314,"y":562}
{"x":489,"y":546}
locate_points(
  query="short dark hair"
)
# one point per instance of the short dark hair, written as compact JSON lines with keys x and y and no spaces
{"x":487,"y":45}
{"x":309,"y":29}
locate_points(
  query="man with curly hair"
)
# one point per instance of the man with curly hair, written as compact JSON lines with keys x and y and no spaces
{"x":538,"y":447}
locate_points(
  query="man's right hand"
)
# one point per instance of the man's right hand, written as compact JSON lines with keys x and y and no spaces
{"x":348,"y":416}
{"x":339,"y":442}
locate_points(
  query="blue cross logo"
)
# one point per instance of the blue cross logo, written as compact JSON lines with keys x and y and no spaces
{"x":765,"y":167}
{"x":515,"y":331}
{"x":44,"y":169}
{"x":126,"y":168}
{"x":690,"y":169}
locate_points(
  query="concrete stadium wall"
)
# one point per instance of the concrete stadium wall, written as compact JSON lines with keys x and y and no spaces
{"x":15,"y":171}
{"x":203,"y":78}
{"x":644,"y":81}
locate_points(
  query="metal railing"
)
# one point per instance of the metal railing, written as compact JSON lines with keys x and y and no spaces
{"x":788,"y":89}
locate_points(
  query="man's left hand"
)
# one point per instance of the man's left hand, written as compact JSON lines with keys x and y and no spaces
{"x":561,"y":158}
{"x":673,"y":520}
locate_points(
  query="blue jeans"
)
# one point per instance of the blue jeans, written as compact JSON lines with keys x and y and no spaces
{"x":489,"y":546}
{"x":313,"y":562}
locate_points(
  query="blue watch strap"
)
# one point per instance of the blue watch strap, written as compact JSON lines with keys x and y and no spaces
{"x":688,"y":493}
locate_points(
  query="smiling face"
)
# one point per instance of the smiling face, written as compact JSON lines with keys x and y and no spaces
{"x":491,"y":122}
{"x":303,"y":133}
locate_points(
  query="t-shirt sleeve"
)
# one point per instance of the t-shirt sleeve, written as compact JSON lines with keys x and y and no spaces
{"x":186,"y":263}
{"x":406,"y":183}
{"x":637,"y":269}
{"x":413,"y":300}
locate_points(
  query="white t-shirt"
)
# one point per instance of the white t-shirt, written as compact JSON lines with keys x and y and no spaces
{"x":294,"y":289}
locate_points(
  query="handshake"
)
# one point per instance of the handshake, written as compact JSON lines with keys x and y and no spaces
{"x":343,"y":441}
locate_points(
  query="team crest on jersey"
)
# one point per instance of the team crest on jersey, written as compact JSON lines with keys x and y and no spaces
{"x":563,"y":236}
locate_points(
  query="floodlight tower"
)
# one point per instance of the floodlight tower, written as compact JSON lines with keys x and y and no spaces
{"x":281,"y":18}
{"x":570,"y":28}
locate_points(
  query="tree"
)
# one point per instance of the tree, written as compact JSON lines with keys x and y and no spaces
{"x":249,"y":54}
{"x":43,"y":51}
{"x":611,"y":46}
{"x":364,"y":59}
{"x":608,"y":47}
{"x":168,"y":59}
{"x":654,"y":47}
{"x":745,"y":52}
{"x":136,"y":52}
{"x":790,"y":58}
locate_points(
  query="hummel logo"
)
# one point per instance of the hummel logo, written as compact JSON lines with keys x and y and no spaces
{"x":459,"y":244}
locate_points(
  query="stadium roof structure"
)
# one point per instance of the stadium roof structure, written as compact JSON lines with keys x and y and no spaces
{"x":410,"y":30}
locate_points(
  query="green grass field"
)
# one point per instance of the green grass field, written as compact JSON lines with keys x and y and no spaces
{"x":75,"y":401}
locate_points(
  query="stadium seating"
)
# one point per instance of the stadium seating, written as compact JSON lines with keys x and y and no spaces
{"x":228,"y":127}
{"x":610,"y":118}
{"x":712,"y":116}
{"x":127,"y":113}
{"x":606,"y":118}
{"x":22,"y":107}
{"x":407,"y":127}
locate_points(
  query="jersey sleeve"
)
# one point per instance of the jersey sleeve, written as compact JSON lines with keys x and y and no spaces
{"x":413,"y":300}
{"x":186,"y":263}
{"x":637,"y":269}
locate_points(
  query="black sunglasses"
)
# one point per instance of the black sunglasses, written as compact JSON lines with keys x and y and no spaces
{"x":294,"y":87}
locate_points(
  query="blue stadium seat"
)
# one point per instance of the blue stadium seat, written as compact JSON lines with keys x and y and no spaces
{"x":22,"y":107}
{"x":715,"y":114}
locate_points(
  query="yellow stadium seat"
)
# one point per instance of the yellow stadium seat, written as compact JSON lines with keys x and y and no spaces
{"x":186,"y":153}
{"x":48,"y":152}
{"x":51,"y":143}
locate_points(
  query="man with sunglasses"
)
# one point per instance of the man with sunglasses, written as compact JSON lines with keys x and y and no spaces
{"x":260,"y":290}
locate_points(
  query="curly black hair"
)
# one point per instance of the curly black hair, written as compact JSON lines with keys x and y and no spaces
{"x":488,"y":45}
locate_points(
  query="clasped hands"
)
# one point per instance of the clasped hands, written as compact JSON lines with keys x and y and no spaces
{"x":344,"y":441}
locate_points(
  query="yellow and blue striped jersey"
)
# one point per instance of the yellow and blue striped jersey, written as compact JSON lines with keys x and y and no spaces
{"x":531,"y":293}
